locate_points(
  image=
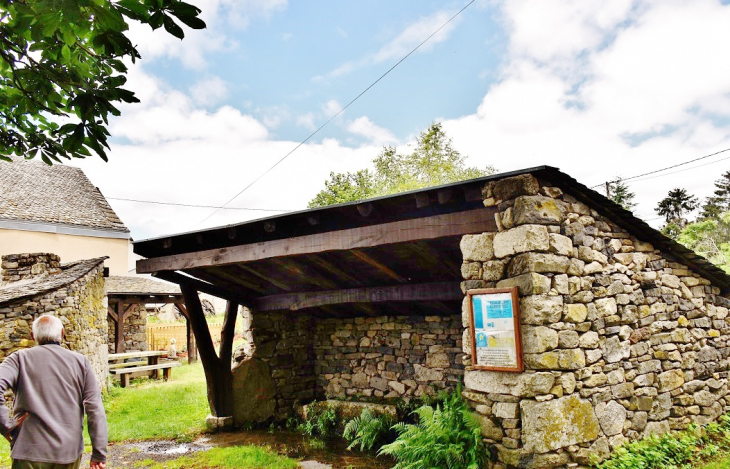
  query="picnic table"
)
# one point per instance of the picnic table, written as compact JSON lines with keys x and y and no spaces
{"x":118,"y":365}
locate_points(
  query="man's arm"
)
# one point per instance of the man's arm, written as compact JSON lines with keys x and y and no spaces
{"x":96,"y":418}
{"x":9,"y":370}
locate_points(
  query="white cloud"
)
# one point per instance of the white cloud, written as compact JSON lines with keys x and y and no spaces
{"x":274,"y":116}
{"x":306,"y":121}
{"x":209,"y":91}
{"x":603,"y":89}
{"x":402,"y":44}
{"x":331,"y":107}
{"x":217,"y":14}
{"x":375,"y":134}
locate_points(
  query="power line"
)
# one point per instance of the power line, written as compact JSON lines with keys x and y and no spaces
{"x":663,"y":169}
{"x":201,"y":206}
{"x":338,"y":113}
{"x":683,"y":170}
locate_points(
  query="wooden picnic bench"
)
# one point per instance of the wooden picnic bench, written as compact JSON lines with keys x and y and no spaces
{"x":125,"y":369}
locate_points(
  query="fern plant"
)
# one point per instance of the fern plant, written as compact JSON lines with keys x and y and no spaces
{"x":321,"y":421}
{"x":367,"y":430}
{"x":447,"y":435}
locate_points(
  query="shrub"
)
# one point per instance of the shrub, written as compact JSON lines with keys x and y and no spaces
{"x":321,"y":421}
{"x":447,"y":435}
{"x":367,"y":430}
{"x":680,"y":450}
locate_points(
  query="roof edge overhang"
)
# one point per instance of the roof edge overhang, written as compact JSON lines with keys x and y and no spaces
{"x":61,"y":228}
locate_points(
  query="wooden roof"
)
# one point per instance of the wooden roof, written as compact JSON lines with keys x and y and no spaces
{"x":391,"y":255}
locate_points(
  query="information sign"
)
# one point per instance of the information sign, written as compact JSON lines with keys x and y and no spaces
{"x":496,"y":342}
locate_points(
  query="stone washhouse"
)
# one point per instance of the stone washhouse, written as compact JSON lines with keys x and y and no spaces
{"x":624,"y":332}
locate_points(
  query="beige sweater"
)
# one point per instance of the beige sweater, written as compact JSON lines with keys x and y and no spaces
{"x":55,"y":386}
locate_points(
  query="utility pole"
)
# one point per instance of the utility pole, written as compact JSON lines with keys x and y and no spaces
{"x":608,"y":190}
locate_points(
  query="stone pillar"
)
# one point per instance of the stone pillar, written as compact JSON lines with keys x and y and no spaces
{"x":24,"y":266}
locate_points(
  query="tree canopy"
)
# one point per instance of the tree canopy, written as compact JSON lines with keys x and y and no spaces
{"x":710,"y":238}
{"x":434,"y":161}
{"x":62,"y":70}
{"x":620,"y":193}
{"x":674,"y":208}
{"x":719,"y":202}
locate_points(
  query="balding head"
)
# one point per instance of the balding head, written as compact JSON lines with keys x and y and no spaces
{"x":47,"y":329}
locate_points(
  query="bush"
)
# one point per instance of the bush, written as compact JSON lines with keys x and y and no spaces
{"x":367,"y":430}
{"x":447,"y":435}
{"x":321,"y":421}
{"x":680,"y":450}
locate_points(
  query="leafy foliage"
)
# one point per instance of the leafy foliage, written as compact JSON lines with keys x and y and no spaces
{"x":719,"y":202}
{"x":674,"y":207}
{"x":447,"y":436}
{"x":434,"y":161}
{"x":679,"y":450}
{"x":62,"y":70}
{"x":321,"y":421}
{"x":710,"y":238}
{"x":367,"y":430}
{"x":620,"y":193}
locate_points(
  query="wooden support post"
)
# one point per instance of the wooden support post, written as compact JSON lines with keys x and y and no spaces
{"x":119,"y":330}
{"x":192,"y":350}
{"x":227,"y":332}
{"x":217,"y":372}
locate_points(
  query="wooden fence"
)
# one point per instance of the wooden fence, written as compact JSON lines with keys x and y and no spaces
{"x":159,"y":335}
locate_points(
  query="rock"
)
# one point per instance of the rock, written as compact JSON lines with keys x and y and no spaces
{"x":587,"y":254}
{"x":589,"y":340}
{"x":611,"y":417}
{"x":538,"y":339}
{"x":605,"y":307}
{"x":506,"y":410}
{"x":656,"y":428}
{"x":519,"y":385}
{"x":492,"y":271}
{"x":704,"y":398}
{"x":561,"y":245}
{"x":360,"y":380}
{"x":541,"y":309}
{"x":253,"y":391}
{"x":477,"y":247}
{"x":528,"y":284}
{"x":561,"y":284}
{"x":538,"y":210}
{"x":670,"y":380}
{"x":437,"y":360}
{"x":537,"y":262}
{"x":568,"y":359}
{"x":575,"y":312}
{"x":400,"y":388}
{"x":489,"y":428}
{"x":615,"y":350}
{"x":547,"y":426}
{"x":568,"y":339}
{"x":521,"y":239}
{"x":423,"y":373}
{"x":512,"y":187}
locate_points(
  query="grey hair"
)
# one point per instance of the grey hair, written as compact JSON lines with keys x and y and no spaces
{"x":47,"y":329}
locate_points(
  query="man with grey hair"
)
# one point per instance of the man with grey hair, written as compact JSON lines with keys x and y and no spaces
{"x":53,"y":388}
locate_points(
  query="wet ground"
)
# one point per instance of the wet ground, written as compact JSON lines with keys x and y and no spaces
{"x":312,"y":453}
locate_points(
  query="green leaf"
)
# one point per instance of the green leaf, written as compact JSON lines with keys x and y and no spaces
{"x":66,"y":52}
{"x":173,"y":28}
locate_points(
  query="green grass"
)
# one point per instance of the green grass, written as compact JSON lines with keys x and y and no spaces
{"x":146,"y":410}
{"x":721,"y":463}
{"x":244,"y":457}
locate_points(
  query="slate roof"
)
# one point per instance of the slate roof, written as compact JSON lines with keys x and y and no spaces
{"x":32,"y":191}
{"x":120,"y":285}
{"x":70,"y":272}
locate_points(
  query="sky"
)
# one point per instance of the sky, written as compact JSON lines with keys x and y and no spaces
{"x":598,"y":89}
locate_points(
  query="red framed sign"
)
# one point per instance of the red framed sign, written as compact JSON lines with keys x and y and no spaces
{"x":494,"y":320}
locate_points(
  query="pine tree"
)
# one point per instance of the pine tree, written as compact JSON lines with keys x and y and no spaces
{"x":620,"y":193}
{"x":720,"y":201}
{"x":674,"y":207}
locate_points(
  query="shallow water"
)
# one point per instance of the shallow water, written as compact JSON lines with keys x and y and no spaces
{"x":313,"y":455}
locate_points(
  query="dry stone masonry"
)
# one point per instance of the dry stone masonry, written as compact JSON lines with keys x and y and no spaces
{"x":135,"y":330}
{"x":74,"y":292}
{"x":289,"y":360}
{"x":619,"y":340}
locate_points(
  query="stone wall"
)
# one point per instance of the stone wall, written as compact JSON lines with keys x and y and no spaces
{"x":619,"y":341}
{"x":387,"y":357}
{"x":307,"y":358}
{"x":17,"y":267}
{"x":135,"y":330}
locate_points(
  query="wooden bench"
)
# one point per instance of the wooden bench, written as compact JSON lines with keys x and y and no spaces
{"x":113,"y":366}
{"x":124,"y":373}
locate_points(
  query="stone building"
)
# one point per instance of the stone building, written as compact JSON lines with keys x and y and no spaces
{"x":624,"y":331}
{"x":36,"y":284}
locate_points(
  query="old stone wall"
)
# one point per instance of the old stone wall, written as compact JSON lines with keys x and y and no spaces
{"x":619,"y":341}
{"x":17,"y":267}
{"x":82,"y":307}
{"x":387,"y":356}
{"x":135,"y":330}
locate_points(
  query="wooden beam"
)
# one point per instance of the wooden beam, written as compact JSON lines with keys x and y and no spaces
{"x":112,"y":314}
{"x":380,"y":267}
{"x":119,"y":330}
{"x":192,"y":351}
{"x":204,"y":287}
{"x":438,"y":226}
{"x":145,"y":299}
{"x":227,"y":332}
{"x":414,"y":292}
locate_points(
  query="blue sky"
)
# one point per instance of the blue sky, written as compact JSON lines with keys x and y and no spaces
{"x":598,"y":89}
